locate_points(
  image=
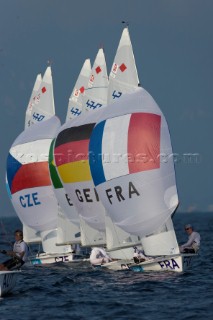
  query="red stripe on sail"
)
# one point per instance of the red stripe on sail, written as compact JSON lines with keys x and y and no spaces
{"x":71,"y":152}
{"x":144,"y":142}
{"x":31,"y":175}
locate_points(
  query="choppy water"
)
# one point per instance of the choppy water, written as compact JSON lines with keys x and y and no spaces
{"x":65,"y":292}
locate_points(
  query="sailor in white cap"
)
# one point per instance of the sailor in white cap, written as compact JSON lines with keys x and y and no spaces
{"x":193,"y":243}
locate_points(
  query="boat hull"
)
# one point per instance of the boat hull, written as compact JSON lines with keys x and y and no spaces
{"x":7,"y":281}
{"x":174,"y":263}
{"x":44,"y":258}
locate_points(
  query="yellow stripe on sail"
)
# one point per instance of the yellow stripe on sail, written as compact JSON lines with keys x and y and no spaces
{"x":77,"y":171}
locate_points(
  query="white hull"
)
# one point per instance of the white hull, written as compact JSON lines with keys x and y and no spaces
{"x":45,"y":258}
{"x":175,"y":263}
{"x":7,"y":281}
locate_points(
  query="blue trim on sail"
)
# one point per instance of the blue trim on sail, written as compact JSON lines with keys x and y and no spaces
{"x":12,"y":167}
{"x":95,"y":154}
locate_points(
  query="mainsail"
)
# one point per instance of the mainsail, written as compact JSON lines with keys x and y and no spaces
{"x":76,"y":97}
{"x":44,"y":106}
{"x":32,"y":100}
{"x":123,"y":77}
{"x":97,"y":88}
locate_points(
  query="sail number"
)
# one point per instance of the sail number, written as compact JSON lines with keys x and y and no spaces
{"x":168,"y":264}
{"x":75,"y":111}
{"x":92,"y":105}
{"x":116,"y":94}
{"x":62,"y":259}
{"x":29,"y":200}
{"x":38,"y":117}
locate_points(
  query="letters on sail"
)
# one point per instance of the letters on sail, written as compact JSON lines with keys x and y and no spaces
{"x":28,"y":176}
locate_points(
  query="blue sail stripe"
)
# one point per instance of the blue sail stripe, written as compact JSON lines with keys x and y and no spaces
{"x":95,"y":154}
{"x":12,"y":167}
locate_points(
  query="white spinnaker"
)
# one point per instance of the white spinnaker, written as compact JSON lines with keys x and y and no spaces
{"x":89,"y":206}
{"x":123,"y":77}
{"x":27,"y":166}
{"x":144,"y":200}
{"x":44,"y":106}
{"x":76,"y":97}
{"x":32,"y":100}
{"x":96,"y":92}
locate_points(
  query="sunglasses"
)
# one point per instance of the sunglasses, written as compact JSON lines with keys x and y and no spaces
{"x":187,"y":228}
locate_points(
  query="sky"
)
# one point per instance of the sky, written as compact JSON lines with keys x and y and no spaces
{"x":173,"y":47}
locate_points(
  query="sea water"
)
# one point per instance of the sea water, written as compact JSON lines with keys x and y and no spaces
{"x":63,"y":291}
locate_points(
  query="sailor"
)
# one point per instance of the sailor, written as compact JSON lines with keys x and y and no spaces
{"x":139,"y":255}
{"x":19,"y":254}
{"x":99,"y":256}
{"x":193,"y":243}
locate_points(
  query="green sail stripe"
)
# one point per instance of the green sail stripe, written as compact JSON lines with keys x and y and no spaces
{"x":53,"y":172}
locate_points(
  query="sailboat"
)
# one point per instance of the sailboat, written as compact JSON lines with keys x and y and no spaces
{"x":138,"y":191}
{"x":123,"y":80}
{"x":72,"y":166}
{"x":28,"y":171}
{"x":69,"y":223}
{"x":8,"y":278}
